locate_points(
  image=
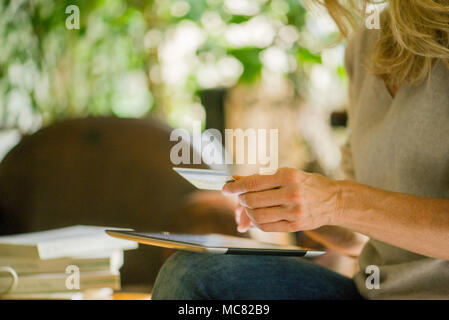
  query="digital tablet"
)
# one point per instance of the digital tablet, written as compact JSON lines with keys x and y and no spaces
{"x":213,"y":243}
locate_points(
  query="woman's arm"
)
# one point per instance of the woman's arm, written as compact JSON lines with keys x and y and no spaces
{"x":340,"y":239}
{"x":292,"y":200}
{"x":414,"y":223}
{"x":343,"y":240}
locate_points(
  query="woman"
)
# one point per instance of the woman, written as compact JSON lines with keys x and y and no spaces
{"x":398,"y":153}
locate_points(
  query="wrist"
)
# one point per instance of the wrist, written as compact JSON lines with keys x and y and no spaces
{"x":343,"y":201}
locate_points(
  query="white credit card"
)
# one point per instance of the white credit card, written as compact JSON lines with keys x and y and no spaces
{"x":205,"y":179}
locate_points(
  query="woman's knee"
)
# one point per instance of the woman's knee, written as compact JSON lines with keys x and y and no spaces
{"x":181,"y":277}
{"x":213,"y":276}
{"x":188,"y":275}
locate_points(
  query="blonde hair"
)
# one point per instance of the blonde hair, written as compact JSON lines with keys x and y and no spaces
{"x":414,"y":34}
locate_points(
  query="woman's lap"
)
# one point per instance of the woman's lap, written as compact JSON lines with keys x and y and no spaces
{"x":189,"y":275}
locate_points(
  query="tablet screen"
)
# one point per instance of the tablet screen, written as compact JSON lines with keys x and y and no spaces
{"x":212,"y":240}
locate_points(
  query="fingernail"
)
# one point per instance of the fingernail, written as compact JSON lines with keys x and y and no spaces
{"x":241,"y":229}
{"x":225,"y":190}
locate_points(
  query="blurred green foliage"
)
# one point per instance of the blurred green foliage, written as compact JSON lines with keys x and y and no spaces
{"x":284,"y":12}
{"x":48,"y":72}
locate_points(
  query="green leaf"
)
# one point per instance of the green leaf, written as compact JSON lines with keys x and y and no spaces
{"x":252,"y":66}
{"x":303,"y":56}
{"x":341,"y":71}
{"x":296,"y":14}
{"x":239,"y":19}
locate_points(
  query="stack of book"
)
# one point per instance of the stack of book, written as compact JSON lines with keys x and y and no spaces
{"x":79,"y":262}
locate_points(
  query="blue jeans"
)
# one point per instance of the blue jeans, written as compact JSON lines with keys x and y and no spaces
{"x":197,"y":276}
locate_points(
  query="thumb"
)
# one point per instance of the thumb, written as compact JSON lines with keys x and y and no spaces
{"x":244,"y":223}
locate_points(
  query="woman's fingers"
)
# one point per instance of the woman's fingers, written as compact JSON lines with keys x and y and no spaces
{"x":244,"y":222}
{"x":274,"y":219}
{"x":269,"y":198}
{"x":274,"y":203}
{"x":257,"y":182}
{"x":290,"y":200}
{"x":270,"y":215}
{"x":280,"y":226}
{"x":238,"y":213}
{"x":252,"y":183}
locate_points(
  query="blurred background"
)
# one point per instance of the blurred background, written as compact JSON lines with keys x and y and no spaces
{"x":176,"y":60}
{"x":97,"y":103}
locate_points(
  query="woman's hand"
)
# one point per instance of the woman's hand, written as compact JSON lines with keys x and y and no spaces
{"x":288,"y":201}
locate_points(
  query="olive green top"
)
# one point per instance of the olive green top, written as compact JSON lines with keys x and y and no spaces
{"x":399,"y":144}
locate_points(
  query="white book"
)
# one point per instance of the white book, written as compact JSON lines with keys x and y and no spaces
{"x":43,"y":296}
{"x":61,"y":282}
{"x":102,"y":261}
{"x":64,"y":242}
{"x":91,"y":294}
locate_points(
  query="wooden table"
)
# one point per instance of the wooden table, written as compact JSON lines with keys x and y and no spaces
{"x":131,"y":296}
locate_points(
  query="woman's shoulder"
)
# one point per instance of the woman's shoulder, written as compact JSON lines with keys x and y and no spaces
{"x":357,"y":56}
{"x":358,"y":48}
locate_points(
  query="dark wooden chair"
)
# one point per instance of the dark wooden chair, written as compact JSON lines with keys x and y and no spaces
{"x":98,"y":171}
